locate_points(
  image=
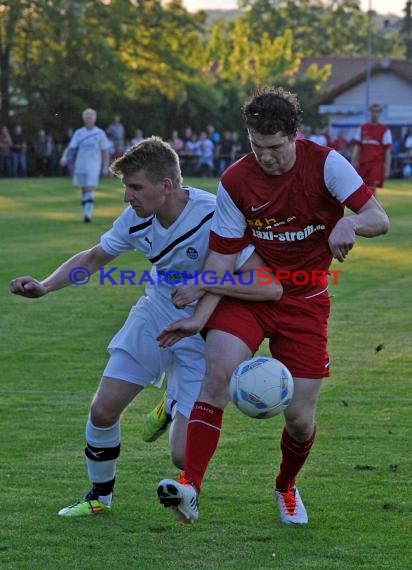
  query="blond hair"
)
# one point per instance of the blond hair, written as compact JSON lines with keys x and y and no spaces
{"x":155,"y":157}
{"x":89,"y":111}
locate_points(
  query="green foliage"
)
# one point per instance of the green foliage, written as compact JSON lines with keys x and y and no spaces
{"x":158,"y":65}
{"x":406,"y":30}
{"x":53,"y":351}
{"x":239,"y":62}
{"x":235,"y":57}
{"x":332,"y":27}
{"x":152,"y":63}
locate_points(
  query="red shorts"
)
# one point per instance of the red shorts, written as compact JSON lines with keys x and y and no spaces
{"x":297,"y":329}
{"x":372,"y":173}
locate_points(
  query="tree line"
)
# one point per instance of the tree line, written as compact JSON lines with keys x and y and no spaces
{"x":161,"y":67}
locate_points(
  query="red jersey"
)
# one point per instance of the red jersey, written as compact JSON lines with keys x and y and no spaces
{"x":288,"y":217}
{"x":373,"y":140}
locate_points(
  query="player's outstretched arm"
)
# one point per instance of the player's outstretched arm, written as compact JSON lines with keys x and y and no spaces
{"x":90,"y":260}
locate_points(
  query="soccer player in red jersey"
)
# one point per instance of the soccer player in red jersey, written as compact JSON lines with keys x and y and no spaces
{"x":371,"y":154}
{"x":288,"y":198}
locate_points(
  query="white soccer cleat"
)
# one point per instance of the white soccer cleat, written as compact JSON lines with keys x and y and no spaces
{"x":181,"y":498}
{"x":291,"y":508}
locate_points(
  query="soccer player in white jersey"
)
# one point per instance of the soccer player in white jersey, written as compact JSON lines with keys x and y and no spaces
{"x":170,"y":224}
{"x":90,"y":146}
{"x":287,"y":197}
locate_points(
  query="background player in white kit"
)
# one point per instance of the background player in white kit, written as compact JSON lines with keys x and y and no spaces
{"x":170,"y":224}
{"x":90,"y":146}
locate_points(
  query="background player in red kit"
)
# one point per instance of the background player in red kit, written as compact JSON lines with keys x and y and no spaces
{"x":371,"y":154}
{"x":288,"y":198}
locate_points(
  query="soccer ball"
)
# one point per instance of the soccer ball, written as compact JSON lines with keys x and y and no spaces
{"x":261,"y":387}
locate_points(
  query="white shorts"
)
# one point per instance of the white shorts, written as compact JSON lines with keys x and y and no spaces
{"x":86,"y":179}
{"x":136,"y":356}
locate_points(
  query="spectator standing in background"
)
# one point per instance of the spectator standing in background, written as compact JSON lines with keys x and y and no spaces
{"x":303,"y":133}
{"x":176,"y":142}
{"x":18,"y":153}
{"x":371,"y":154}
{"x":116,"y":134}
{"x":341,"y":145}
{"x":43,"y":149}
{"x":5,"y":151}
{"x":191,"y":154}
{"x":225,"y":151}
{"x":407,"y":142}
{"x":238,"y":148}
{"x":206,"y":154}
{"x":216,"y":139}
{"x":138,"y":137}
{"x":318,"y":137}
{"x":213,"y":135}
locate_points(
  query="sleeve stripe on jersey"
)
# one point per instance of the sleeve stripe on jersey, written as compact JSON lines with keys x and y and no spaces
{"x":139,"y":227}
{"x":181,"y":238}
{"x":359,"y":198}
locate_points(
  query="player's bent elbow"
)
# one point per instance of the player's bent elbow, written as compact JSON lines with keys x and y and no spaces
{"x":382,"y":225}
{"x":385,"y":225}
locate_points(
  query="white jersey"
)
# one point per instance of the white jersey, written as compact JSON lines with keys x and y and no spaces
{"x":176,"y":253}
{"x":89,"y":144}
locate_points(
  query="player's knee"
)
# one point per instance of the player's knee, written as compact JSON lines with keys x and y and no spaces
{"x":102,"y":416}
{"x":215,"y":389}
{"x":300,"y":427}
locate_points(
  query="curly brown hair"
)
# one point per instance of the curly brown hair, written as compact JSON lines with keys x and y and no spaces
{"x":271,"y":110}
{"x":154,"y":156}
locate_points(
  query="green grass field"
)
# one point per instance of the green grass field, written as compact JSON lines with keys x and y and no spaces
{"x":356,"y":485}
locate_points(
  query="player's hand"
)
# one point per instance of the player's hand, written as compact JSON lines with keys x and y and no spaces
{"x":63,"y":162}
{"x":27,"y":286}
{"x":178,"y":330}
{"x":342,"y":238}
{"x":185,"y":294}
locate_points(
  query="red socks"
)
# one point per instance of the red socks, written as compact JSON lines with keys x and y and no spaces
{"x":294,"y":455}
{"x":203,"y":434}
